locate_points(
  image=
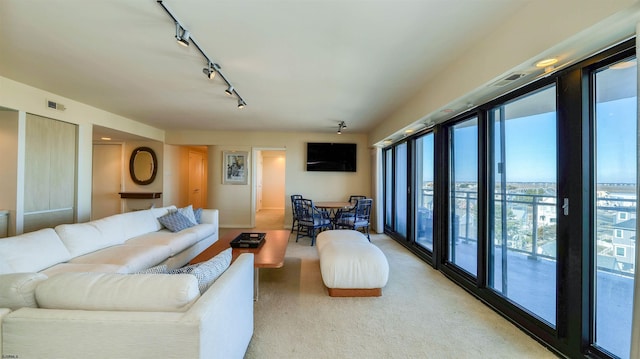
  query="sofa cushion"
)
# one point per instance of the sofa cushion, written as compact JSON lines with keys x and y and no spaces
{"x":177,"y":242}
{"x":111,"y":228}
{"x":134,"y":258}
{"x":124,"y":292}
{"x":81,"y":238}
{"x":161,"y":211}
{"x":137,"y":223}
{"x":32,"y":252}
{"x":207,"y":272}
{"x":202,"y":231}
{"x":175,"y":221}
{"x":18,"y":290}
{"x":84,"y":267}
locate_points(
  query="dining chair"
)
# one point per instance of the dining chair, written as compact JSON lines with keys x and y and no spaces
{"x":358,"y":218}
{"x":310,"y":219}
{"x":348,"y":212}
{"x":294,"y":213}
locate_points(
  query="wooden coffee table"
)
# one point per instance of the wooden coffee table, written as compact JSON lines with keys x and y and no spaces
{"x":269,"y":255}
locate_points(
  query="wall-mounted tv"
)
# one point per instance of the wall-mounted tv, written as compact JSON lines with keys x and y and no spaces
{"x":333,"y":157}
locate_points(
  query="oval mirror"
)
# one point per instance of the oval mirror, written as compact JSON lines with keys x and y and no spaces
{"x":143,"y":165}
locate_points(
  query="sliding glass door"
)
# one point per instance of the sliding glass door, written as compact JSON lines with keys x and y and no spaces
{"x":463,"y":195}
{"x":614,"y":237}
{"x":424,"y":206}
{"x":522,"y":214}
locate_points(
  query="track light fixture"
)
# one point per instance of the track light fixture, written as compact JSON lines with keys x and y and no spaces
{"x":341,"y":126}
{"x":211,"y":70}
{"x":183,"y":36}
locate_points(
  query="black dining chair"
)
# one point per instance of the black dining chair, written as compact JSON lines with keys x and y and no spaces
{"x":294,"y":213}
{"x":310,"y":219}
{"x":357,"y":218}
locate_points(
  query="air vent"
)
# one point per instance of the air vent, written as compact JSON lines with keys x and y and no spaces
{"x":509,"y":79}
{"x":56,"y":106}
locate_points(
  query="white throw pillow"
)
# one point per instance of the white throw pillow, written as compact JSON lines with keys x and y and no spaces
{"x":207,"y":272}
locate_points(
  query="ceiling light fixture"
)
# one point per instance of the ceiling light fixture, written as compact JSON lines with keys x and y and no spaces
{"x":341,"y":126}
{"x":210,"y":71}
{"x":182,"y":35}
{"x":184,"y":38}
{"x":547,"y":62}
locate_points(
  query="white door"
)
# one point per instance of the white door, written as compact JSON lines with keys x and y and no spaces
{"x":107,"y":179}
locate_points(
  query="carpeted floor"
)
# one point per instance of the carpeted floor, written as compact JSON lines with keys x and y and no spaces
{"x":421,"y":314}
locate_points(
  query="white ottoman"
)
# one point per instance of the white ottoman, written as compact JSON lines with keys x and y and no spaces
{"x":350,"y":265}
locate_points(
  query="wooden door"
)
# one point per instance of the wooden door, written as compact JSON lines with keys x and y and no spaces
{"x":196,"y":173}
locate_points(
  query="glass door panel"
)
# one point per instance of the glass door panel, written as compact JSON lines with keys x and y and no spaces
{"x":463,"y":195}
{"x":615,"y":201}
{"x":424,"y":191}
{"x":522,"y":214}
{"x":400,"y":215}
{"x":388,"y":188}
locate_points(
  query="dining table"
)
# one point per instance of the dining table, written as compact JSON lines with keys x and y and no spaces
{"x":332,"y":207}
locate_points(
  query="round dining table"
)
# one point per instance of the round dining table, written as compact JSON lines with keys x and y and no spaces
{"x":333,"y":206}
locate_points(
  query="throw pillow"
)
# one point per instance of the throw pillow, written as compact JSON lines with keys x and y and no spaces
{"x":198,"y":214}
{"x":188,"y":212}
{"x":207,"y":272}
{"x":175,"y":221}
{"x":161,"y":269}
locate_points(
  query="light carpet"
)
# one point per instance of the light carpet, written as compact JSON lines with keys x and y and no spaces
{"x":421,"y":314}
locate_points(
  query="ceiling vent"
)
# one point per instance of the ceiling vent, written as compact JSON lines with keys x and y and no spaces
{"x":56,"y":106}
{"x":509,"y":79}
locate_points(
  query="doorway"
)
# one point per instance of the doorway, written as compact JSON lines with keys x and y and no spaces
{"x":107,"y":180}
{"x":269,"y":188}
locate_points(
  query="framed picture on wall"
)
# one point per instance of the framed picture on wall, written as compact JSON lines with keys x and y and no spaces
{"x":235,"y":167}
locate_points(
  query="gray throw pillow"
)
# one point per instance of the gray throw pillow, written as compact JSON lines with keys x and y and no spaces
{"x":188,"y":212}
{"x":161,"y":269}
{"x":175,"y":221}
{"x":207,"y":272}
{"x":198,"y":214}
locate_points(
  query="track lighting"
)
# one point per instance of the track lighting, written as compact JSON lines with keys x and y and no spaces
{"x":182,"y":35}
{"x":341,"y":126}
{"x":210,"y":71}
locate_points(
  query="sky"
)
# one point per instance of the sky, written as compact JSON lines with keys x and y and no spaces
{"x":531,"y":146}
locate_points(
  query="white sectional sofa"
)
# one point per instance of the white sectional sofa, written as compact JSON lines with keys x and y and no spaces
{"x":72,"y":292}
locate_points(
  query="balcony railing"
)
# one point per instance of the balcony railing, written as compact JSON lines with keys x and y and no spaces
{"x":533,"y":222}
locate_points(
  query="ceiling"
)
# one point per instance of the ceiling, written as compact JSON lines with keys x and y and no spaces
{"x":299,"y":65}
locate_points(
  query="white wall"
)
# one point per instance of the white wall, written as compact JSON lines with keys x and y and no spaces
{"x":538,"y":29}
{"x":17,"y":96}
{"x":234,"y":201}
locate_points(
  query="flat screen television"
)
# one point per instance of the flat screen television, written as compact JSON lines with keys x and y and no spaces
{"x":331,"y":157}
